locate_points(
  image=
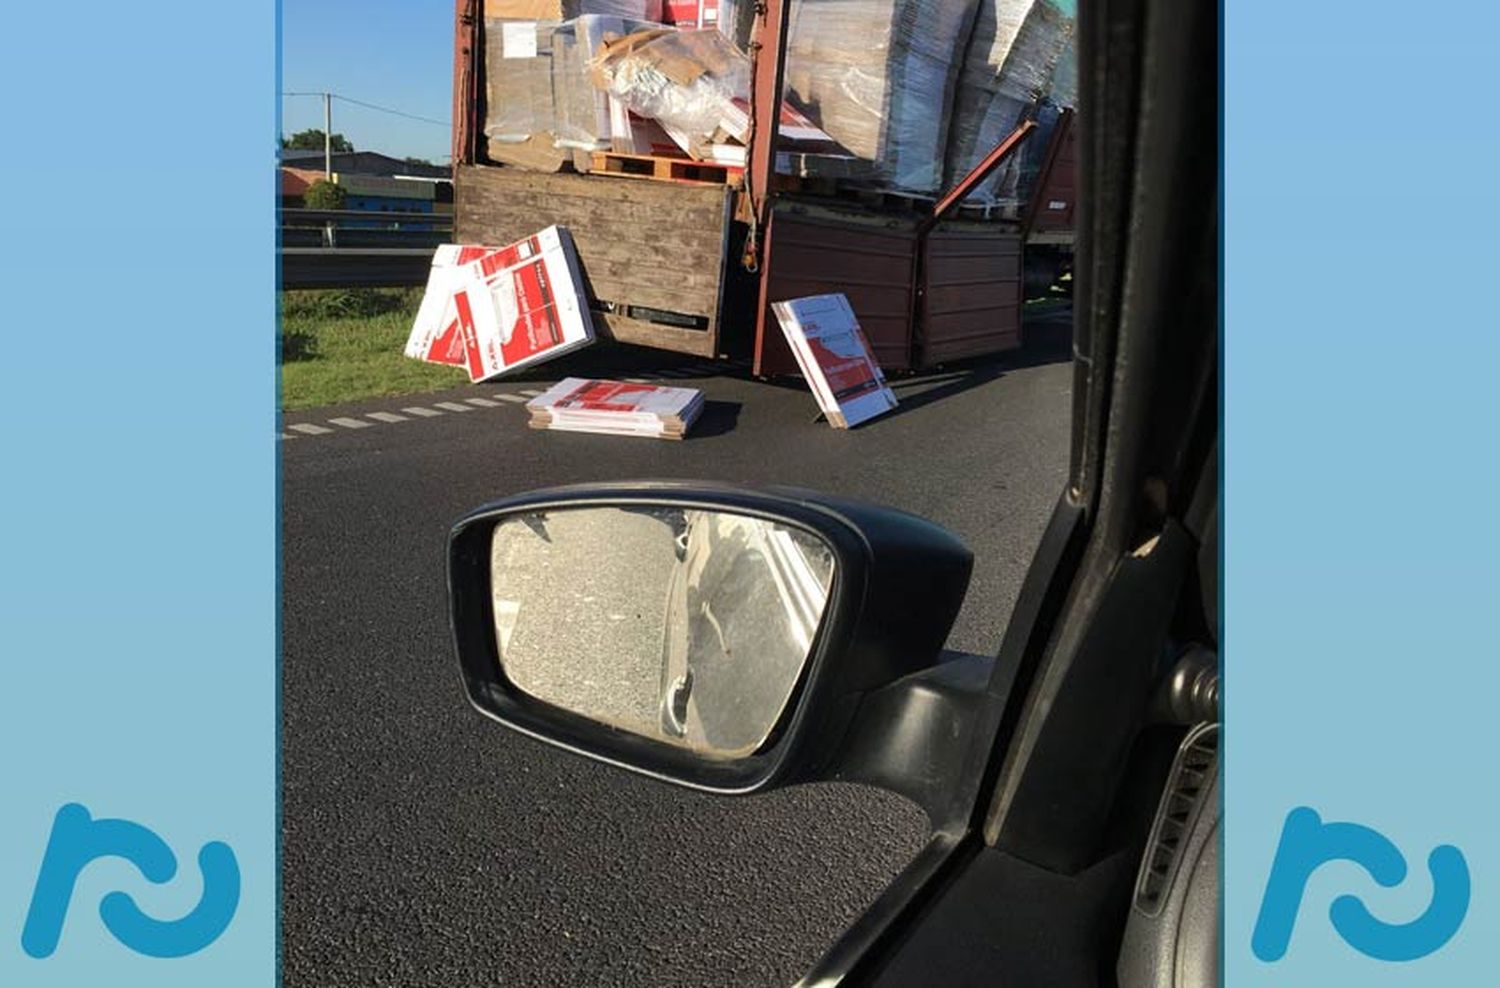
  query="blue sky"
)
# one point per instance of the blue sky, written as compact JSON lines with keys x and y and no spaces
{"x":394,"y":53}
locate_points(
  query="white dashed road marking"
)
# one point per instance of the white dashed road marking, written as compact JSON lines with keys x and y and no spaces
{"x":438,"y":408}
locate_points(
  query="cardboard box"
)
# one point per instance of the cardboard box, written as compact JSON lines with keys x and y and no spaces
{"x":619,"y":408}
{"x":538,"y":153}
{"x":835,"y":358}
{"x":503,"y":308}
{"x":690,"y":14}
{"x":523,"y":304}
{"x":518,"y":80}
{"x":435,"y":334}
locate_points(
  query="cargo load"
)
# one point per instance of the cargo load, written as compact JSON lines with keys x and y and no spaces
{"x":498,"y":309}
{"x":584,"y":113}
{"x":835,"y":358}
{"x":617,"y":408}
{"x":877,"y":76}
{"x":696,"y":86}
{"x":1010,"y":64}
{"x":538,"y":99}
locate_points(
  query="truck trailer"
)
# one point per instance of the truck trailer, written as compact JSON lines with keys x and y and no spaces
{"x":689,"y":258}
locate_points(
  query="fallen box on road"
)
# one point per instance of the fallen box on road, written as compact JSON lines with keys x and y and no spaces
{"x":835,"y":358}
{"x":622,"y":408}
{"x":491,"y":310}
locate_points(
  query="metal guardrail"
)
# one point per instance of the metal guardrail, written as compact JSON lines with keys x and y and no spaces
{"x":337,"y":248}
{"x":338,"y":217}
{"x":354,"y":267}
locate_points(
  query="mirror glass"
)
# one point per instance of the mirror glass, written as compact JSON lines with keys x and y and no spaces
{"x":687,"y":626}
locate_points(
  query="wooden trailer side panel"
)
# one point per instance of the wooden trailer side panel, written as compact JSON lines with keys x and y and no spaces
{"x":652,"y":253}
{"x":871,"y":259}
{"x":971,"y":299}
{"x":1050,"y":211}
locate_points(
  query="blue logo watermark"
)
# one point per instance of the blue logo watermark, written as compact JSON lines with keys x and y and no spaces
{"x":1307,"y":843}
{"x":77,"y":839}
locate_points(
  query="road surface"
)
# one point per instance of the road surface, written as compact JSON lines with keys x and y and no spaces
{"x":424,"y":845}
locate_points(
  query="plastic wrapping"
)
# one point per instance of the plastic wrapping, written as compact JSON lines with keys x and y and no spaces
{"x":522,"y":70}
{"x":1064,"y":87}
{"x":1033,"y":154}
{"x":737,"y":21}
{"x":518,"y":80}
{"x":688,"y":81}
{"x":878,"y":76}
{"x":581,"y":109}
{"x":1010,"y":64}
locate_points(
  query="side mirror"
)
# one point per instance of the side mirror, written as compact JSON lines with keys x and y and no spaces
{"x":715,"y":637}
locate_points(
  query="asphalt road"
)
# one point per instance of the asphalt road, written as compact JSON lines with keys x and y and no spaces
{"x":582,"y":598}
{"x":424,"y":845}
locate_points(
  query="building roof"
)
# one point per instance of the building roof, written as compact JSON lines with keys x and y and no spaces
{"x":362,"y":163}
{"x":295,"y":181}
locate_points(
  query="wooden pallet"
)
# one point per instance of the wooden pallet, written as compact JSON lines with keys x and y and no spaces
{"x":663,"y":169}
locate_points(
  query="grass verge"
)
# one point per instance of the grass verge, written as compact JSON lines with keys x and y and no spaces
{"x":345,"y":345}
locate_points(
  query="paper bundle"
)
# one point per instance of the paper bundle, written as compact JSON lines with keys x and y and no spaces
{"x":835,"y":358}
{"x":877,"y":75}
{"x":578,"y":404}
{"x":495,"y":309}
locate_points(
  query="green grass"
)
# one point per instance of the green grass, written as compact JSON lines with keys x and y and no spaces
{"x":339,"y":346}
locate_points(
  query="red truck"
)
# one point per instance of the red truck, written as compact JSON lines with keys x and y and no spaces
{"x":692,"y":262}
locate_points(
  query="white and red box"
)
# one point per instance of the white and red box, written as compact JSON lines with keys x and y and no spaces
{"x":435,"y":334}
{"x":690,"y":14}
{"x":495,"y":309}
{"x":623,"y":408}
{"x":835,"y":358}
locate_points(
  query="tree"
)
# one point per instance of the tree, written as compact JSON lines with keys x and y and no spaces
{"x":312,"y":140}
{"x":324,"y":194}
{"x":419,"y":161}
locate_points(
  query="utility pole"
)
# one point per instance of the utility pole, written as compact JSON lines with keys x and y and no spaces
{"x":328,"y":136}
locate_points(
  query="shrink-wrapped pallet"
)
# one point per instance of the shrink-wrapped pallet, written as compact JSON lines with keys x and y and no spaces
{"x":581,"y":108}
{"x":877,"y":76}
{"x":1009,"y":66}
{"x":694,"y":83}
{"x":535,"y":73}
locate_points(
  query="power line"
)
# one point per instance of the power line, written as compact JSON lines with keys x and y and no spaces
{"x":386,"y":109}
{"x":375,"y":106}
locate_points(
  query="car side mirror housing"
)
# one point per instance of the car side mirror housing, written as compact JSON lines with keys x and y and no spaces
{"x":720,"y":638}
